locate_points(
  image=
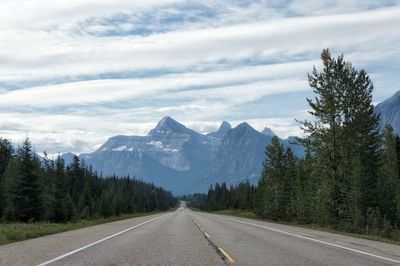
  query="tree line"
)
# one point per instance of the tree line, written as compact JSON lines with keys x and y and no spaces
{"x":220,"y":197}
{"x":349,"y":178}
{"x":48,"y":190}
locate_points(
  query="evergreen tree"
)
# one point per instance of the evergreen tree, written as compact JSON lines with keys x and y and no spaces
{"x":61,"y":210}
{"x":290,"y":185}
{"x":398,"y":175}
{"x":398,"y":152}
{"x":389,"y":178}
{"x":43,"y":191}
{"x":47,"y":183}
{"x":10,"y":187}
{"x":76,"y":179}
{"x":5,"y":157}
{"x":345,"y":138}
{"x":271,"y":194}
{"x":27,"y":196}
{"x":324,"y":132}
{"x":362,"y":143}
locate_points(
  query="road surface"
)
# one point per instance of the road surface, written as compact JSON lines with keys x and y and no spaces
{"x":185,"y":237}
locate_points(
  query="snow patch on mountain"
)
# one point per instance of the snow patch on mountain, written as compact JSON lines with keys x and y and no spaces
{"x":120,"y":148}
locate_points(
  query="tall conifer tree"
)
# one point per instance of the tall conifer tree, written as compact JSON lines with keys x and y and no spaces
{"x":28,"y":190}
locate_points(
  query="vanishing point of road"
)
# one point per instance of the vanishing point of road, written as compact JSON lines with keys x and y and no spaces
{"x":185,"y":237}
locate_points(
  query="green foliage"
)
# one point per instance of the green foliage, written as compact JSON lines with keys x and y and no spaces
{"x":5,"y":156}
{"x":50,"y":191}
{"x":344,"y":138}
{"x":272,"y":198}
{"x":389,"y":180}
{"x":28,"y":188}
{"x":349,"y":179}
{"x":219,"y":197}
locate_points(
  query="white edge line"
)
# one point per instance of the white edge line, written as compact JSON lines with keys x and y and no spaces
{"x":312,"y":239}
{"x":97,"y":242}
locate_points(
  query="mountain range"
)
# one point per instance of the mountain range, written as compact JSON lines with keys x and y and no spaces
{"x":185,"y":161}
{"x":389,"y":110}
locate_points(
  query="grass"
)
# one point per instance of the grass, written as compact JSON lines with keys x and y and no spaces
{"x":252,"y":215}
{"x":12,"y":232}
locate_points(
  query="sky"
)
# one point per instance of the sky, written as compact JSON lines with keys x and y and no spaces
{"x":74,"y":73}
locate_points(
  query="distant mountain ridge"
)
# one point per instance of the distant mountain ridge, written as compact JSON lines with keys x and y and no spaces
{"x":222,"y":131}
{"x":389,"y":110}
{"x":183,"y":160}
{"x":268,"y":132}
{"x":239,"y":156}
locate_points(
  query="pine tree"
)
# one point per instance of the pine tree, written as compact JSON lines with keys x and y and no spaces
{"x":271,"y":185}
{"x":47,"y":183}
{"x":398,"y":152}
{"x":76,"y":179}
{"x":290,"y":185}
{"x":362,"y":142}
{"x":28,"y":191}
{"x":301,"y":198}
{"x":10,"y":187}
{"x":5,"y":157}
{"x":35,"y":190}
{"x":325,"y":131}
{"x":389,"y":178}
{"x":398,"y":175}
{"x":61,"y":210}
{"x":345,"y":138}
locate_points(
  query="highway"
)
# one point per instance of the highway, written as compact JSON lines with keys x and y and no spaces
{"x":185,"y":237}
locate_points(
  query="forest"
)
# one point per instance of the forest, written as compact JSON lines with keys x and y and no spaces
{"x":34,"y":190}
{"x":349,"y":178}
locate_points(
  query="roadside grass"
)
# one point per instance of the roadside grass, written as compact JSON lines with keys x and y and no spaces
{"x":12,"y":232}
{"x":252,"y":215}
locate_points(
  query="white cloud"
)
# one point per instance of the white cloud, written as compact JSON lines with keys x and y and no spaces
{"x":52,"y":56}
{"x":217,"y":63}
{"x":36,"y":13}
{"x":262,"y":80}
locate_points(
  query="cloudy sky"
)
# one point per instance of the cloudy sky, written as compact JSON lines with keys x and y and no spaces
{"x":73,"y":73}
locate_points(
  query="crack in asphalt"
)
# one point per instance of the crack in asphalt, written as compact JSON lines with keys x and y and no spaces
{"x":212,"y":244}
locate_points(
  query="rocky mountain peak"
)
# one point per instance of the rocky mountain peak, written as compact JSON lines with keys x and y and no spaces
{"x":389,"y":112}
{"x":168,"y":124}
{"x":222,"y":130}
{"x":268,"y":132}
{"x":244,"y":127}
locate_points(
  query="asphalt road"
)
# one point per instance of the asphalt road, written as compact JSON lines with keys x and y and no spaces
{"x":193,"y":238}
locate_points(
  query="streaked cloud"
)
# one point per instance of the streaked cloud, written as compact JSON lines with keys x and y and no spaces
{"x":73,"y":73}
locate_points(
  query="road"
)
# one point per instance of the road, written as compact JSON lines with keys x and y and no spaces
{"x":192,"y":238}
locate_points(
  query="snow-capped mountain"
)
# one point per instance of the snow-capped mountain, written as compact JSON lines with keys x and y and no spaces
{"x":389,"y":111}
{"x":183,"y":160}
{"x":171,"y":155}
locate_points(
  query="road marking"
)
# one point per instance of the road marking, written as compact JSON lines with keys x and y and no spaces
{"x":224,"y":255}
{"x":99,"y":241}
{"x":312,"y":239}
{"x":229,"y":258}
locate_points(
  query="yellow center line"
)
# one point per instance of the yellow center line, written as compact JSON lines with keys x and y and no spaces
{"x":223,"y":252}
{"x":229,"y":258}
